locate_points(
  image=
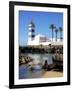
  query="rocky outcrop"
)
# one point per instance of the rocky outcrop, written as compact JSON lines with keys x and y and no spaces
{"x":24,"y":59}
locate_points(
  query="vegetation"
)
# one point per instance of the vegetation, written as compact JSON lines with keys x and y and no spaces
{"x":52,"y":27}
{"x":56,"y":31}
{"x":60,"y":29}
{"x":41,"y":49}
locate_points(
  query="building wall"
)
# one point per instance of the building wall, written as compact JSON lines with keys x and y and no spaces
{"x":42,"y":40}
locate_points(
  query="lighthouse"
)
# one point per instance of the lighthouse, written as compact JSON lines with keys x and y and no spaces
{"x":31,"y":33}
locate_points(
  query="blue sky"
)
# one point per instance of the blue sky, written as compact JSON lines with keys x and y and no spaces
{"x":42,"y":21}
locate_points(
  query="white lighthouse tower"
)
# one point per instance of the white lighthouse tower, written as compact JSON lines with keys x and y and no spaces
{"x":31,"y":34}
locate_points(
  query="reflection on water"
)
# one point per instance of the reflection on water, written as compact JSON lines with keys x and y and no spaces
{"x":36,"y":72}
{"x":25,"y":72}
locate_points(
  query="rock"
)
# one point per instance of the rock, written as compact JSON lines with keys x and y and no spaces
{"x":46,"y":66}
{"x":24,"y":59}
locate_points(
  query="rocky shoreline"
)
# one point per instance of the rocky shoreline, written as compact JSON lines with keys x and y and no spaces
{"x":56,"y":50}
{"x":24,"y":59}
{"x":57,"y":62}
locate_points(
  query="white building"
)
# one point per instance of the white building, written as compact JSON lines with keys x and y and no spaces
{"x":40,"y":39}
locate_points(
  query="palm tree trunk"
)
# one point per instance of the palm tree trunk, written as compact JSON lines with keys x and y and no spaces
{"x":52,"y":34}
{"x":60,"y":36}
{"x":56,"y":36}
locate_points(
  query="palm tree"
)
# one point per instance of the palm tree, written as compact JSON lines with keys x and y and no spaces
{"x":60,"y":29}
{"x":56,"y":31}
{"x":52,"y":27}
